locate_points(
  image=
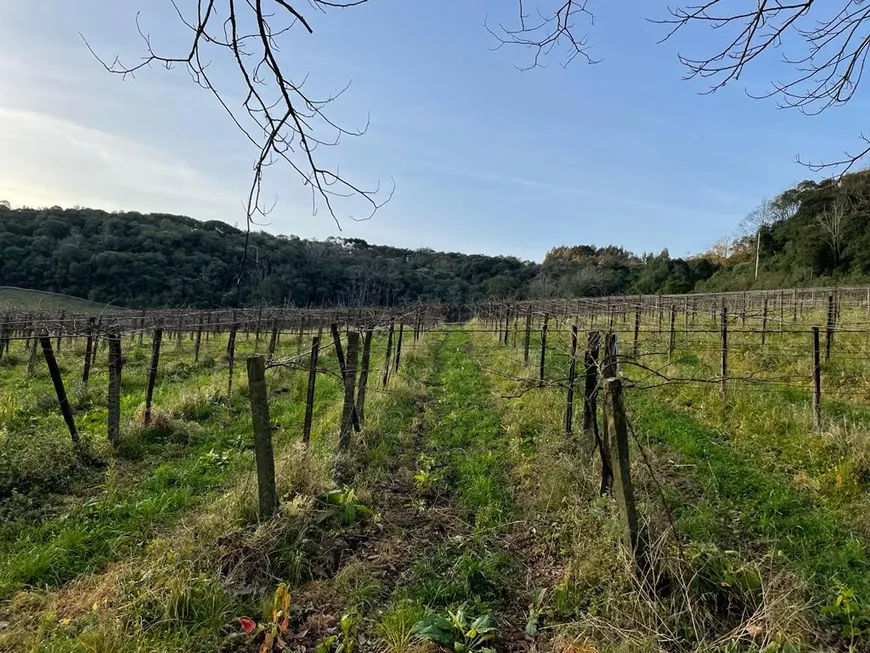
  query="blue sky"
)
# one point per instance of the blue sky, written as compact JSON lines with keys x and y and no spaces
{"x":485,"y":157}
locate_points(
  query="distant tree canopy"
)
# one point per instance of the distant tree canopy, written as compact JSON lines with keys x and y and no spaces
{"x":150,"y":260}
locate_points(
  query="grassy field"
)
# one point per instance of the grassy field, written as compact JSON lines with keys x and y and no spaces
{"x":22,"y":300}
{"x":462,"y":518}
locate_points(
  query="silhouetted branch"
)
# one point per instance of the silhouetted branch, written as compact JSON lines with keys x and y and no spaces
{"x":551,"y":27}
{"x":832,"y":51}
{"x":277,"y":115}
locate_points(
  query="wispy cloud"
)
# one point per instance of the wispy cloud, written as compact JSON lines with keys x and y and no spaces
{"x":654,"y":207}
{"x":79,"y":164}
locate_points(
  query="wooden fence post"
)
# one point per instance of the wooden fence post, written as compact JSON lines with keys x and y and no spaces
{"x":57,"y":381}
{"x":364,"y":376}
{"x":31,"y":362}
{"x":309,"y":397}
{"x":724,"y":383}
{"x":543,"y":350}
{"x":817,"y":381}
{"x":348,"y":411}
{"x":197,"y":342}
{"x":114,"y":394}
{"x":399,"y":347}
{"x":388,"y":355}
{"x":339,"y":350}
{"x":673,"y":334}
{"x":829,"y":327}
{"x":156,"y":339}
{"x":590,"y":390}
{"x":96,"y":345}
{"x":231,"y":355}
{"x":572,"y":372}
{"x":781,"y":310}
{"x":528,"y":336}
{"x":623,"y":488}
{"x":258,"y":327}
{"x":636,"y":332}
{"x":609,"y":370}
{"x":266,"y":489}
{"x":89,"y":346}
{"x":764,"y":320}
{"x":273,"y":338}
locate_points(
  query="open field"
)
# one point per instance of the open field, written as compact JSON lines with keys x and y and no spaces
{"x":22,"y":300}
{"x":461,"y":516}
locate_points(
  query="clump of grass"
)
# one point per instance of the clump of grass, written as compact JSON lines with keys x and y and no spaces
{"x":34,"y":462}
{"x":175,"y":597}
{"x":191,"y":405}
{"x":473,"y":571}
{"x":356,"y":587}
{"x":396,"y":627}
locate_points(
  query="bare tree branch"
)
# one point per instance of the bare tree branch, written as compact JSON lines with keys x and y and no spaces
{"x":553,"y":27}
{"x":828,"y":42}
{"x":277,"y":115}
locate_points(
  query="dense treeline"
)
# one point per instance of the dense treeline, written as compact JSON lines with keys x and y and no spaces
{"x":165,"y":260}
{"x":818,"y":232}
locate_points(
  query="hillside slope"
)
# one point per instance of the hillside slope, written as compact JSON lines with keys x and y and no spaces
{"x":136,"y":260}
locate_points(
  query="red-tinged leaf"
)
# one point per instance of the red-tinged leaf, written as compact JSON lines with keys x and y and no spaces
{"x":248,"y":625}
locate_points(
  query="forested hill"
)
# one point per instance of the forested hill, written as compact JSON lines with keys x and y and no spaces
{"x":166,"y":260}
{"x":814,"y":233}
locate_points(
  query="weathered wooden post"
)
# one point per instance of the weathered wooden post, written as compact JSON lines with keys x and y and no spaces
{"x":156,"y":339}
{"x":57,"y":381}
{"x":623,"y":488}
{"x":543,"y":350}
{"x":528,"y":336}
{"x":388,"y":355}
{"x":347,"y":414}
{"x":636,"y":332}
{"x":89,"y":346}
{"x":829,"y":327}
{"x":96,"y":344}
{"x":817,"y":381}
{"x":339,"y":350}
{"x":590,"y":390}
{"x":364,"y":376}
{"x":197,"y":342}
{"x":273,"y":338}
{"x":764,"y":320}
{"x":673,"y":333}
{"x":258,"y":327}
{"x":399,"y":347}
{"x":231,"y":356}
{"x":114,"y":394}
{"x":31,"y":362}
{"x":572,"y":372}
{"x":724,"y":383}
{"x":263,"y":452}
{"x":309,"y":396}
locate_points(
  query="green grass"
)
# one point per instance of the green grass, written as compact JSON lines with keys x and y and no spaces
{"x":74,"y":515}
{"x":193,"y":464}
{"x":466,"y":440}
{"x":742,"y":504}
{"x":769,"y":514}
{"x":465,"y":457}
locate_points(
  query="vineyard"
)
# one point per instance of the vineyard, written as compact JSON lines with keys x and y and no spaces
{"x":649,"y":473}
